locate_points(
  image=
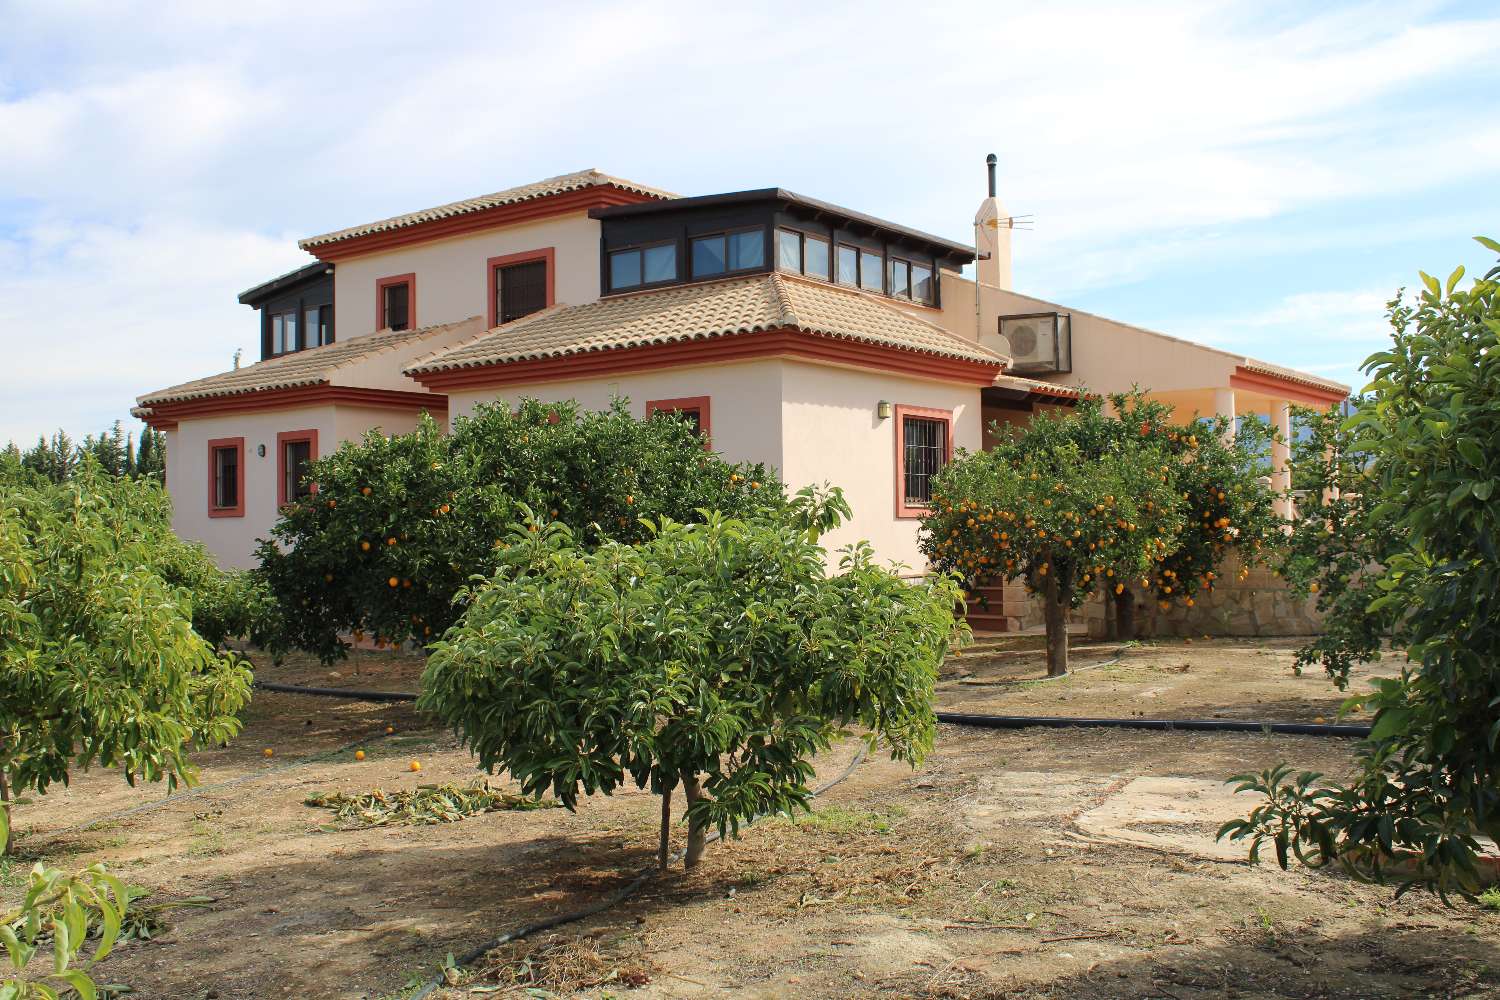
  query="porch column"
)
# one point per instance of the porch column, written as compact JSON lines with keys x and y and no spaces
{"x":1224,"y":407}
{"x":1281,"y":455}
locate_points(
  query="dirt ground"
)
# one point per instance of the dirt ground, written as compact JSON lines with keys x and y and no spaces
{"x":1055,"y":863}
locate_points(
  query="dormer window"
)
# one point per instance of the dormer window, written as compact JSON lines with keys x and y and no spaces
{"x":639,"y":266}
{"x":395,"y":302}
{"x":284,"y":332}
{"x":922,"y":287}
{"x":725,"y":253}
{"x":871,"y":265}
{"x":848,"y":262}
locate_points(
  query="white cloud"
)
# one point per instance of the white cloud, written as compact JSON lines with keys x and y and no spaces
{"x":161,"y":158}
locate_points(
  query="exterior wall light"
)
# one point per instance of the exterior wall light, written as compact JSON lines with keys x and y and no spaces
{"x":883,"y":409}
{"x":260,"y":450}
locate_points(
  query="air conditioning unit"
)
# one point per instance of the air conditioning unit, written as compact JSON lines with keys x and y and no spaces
{"x":1038,"y":343}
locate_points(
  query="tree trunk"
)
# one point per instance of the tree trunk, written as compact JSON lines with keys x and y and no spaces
{"x":1057,"y":627}
{"x":1125,"y":614}
{"x":664,"y":845}
{"x":696,"y":830}
{"x":10,"y":830}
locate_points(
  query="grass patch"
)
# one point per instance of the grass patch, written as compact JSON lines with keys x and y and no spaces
{"x":1489,"y":899}
{"x":842,"y":821}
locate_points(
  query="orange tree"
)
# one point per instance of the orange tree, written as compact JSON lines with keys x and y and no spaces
{"x":1068,"y":504}
{"x":1228,"y":507}
{"x":398,"y":525}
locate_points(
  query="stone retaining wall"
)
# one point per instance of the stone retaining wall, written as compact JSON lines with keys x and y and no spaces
{"x":1260,"y":605}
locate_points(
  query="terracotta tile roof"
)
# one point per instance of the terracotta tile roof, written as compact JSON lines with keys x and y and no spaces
{"x":526,"y":192}
{"x":698,"y":312}
{"x":1036,"y":387}
{"x":314,"y":366}
{"x":1293,"y":375}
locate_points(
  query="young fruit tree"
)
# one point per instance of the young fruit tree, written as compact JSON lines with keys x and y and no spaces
{"x":99,"y":661}
{"x":399,"y":525}
{"x":1401,"y":535}
{"x":1068,"y":504}
{"x":717,"y":657}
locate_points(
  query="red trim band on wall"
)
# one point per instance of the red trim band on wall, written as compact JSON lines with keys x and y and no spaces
{"x":547,"y":255}
{"x":780,"y":342}
{"x":904,"y":510}
{"x":215,"y":445}
{"x":597,"y":196}
{"x":166,"y":415}
{"x":1286,"y":388}
{"x":283,"y":439}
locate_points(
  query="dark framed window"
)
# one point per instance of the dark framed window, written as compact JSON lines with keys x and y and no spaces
{"x":848,"y":265}
{"x":226,"y":479}
{"x":789,"y":250}
{"x":924,"y":444}
{"x":284,"y":332}
{"x":317,"y":326}
{"x":871,"y":271}
{"x":519,"y":289}
{"x":815,"y":257}
{"x":295,"y":453}
{"x":725,"y":253}
{"x":638,"y":266}
{"x":900,"y":278}
{"x":923,"y":289}
{"x":396,"y":302}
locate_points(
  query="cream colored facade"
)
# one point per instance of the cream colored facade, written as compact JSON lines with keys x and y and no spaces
{"x":452,"y":275}
{"x":812,"y":423}
{"x":233,"y":540}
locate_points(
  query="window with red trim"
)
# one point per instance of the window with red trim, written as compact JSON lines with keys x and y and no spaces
{"x":694,"y":409}
{"x":924,"y":444}
{"x":521,"y":284}
{"x":226,"y":477}
{"x":295,"y":453}
{"x":396,"y":302}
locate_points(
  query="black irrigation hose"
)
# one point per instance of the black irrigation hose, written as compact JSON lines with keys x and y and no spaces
{"x":350,"y":693}
{"x":635,"y":885}
{"x":990,"y":721}
{"x":1159,"y":725}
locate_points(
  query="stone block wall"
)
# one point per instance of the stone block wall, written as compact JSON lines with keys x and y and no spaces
{"x":1260,"y":605}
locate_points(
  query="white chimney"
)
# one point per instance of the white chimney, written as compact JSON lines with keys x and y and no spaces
{"x":992,"y":229}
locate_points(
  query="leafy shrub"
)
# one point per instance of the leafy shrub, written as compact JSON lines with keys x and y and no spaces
{"x":1403,"y":542}
{"x":400,"y":524}
{"x":99,"y":662}
{"x":717,"y":656}
{"x":68,"y":909}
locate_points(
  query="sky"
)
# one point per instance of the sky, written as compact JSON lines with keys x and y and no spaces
{"x":1257,"y":176}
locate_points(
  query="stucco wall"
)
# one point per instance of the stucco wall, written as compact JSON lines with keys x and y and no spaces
{"x":1108,"y":356}
{"x":833,"y":433}
{"x":452,"y":275}
{"x":232,"y":539}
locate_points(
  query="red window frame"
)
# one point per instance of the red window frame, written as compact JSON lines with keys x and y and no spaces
{"x":283,"y":439}
{"x":547,"y":255}
{"x":215,"y":445}
{"x":381,"y":284}
{"x":904,"y":510}
{"x":682,"y":404}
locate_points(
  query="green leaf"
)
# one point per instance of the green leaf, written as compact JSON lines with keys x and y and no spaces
{"x":82,"y":985}
{"x":1390,"y":722}
{"x":1487,"y":242}
{"x":1455,"y":278}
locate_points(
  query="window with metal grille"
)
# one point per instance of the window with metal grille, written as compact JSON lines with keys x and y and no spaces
{"x":520,"y":290}
{"x":926,"y":447}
